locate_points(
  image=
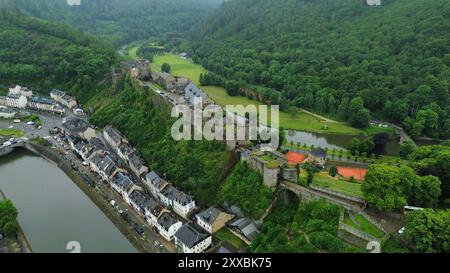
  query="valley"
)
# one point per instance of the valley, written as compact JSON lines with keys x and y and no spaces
{"x":359,"y":87}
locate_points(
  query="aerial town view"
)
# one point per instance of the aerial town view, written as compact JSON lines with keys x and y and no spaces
{"x":225,"y":127}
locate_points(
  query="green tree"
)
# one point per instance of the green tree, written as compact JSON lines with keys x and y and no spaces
{"x":428,"y":230}
{"x":333,"y":171}
{"x":11,"y":229}
{"x":165,"y":67}
{"x":311,"y":170}
{"x":8,"y":212}
{"x":382,"y":187}
{"x":406,"y":149}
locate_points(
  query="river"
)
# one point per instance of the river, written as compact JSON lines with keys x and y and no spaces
{"x":53,"y":210}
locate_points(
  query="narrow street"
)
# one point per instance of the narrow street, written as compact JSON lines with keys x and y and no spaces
{"x":151,"y":238}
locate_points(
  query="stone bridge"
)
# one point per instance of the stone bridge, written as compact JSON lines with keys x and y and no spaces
{"x":306,"y":194}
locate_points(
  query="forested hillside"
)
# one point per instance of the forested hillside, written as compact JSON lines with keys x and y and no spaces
{"x":197,"y":167}
{"x":323,"y":54}
{"x":42,"y":55}
{"x":122,"y":21}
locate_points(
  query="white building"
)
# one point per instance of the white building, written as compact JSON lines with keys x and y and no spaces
{"x":153,"y":211}
{"x":14,"y":101}
{"x":113,"y":137}
{"x":63,"y":98}
{"x":168,"y":225}
{"x":79,"y":127}
{"x":21,"y":91}
{"x":212,"y":219}
{"x":7,"y":112}
{"x":192,"y":239}
{"x":103,"y":165}
{"x":373,"y":2}
{"x":45,"y":104}
{"x":155,"y":183}
{"x":183,"y":204}
{"x":122,"y":184}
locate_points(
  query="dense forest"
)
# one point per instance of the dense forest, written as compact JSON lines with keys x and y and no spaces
{"x":122,"y":21}
{"x":306,"y":228}
{"x":43,"y":56}
{"x":322,"y":54}
{"x":198,"y":167}
{"x":245,"y":189}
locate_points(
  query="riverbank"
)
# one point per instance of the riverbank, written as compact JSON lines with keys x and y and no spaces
{"x":95,"y":197}
{"x":22,"y":241}
{"x":92,"y":193}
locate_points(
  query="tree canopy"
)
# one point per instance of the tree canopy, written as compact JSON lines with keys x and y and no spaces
{"x":43,"y":56}
{"x":8,"y":218}
{"x":245,"y":188}
{"x":121,"y":22}
{"x":428,"y":230}
{"x":336,"y":56}
{"x":391,"y":188}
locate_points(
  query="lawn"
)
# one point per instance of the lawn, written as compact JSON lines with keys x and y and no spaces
{"x":363,"y":225}
{"x":7,"y":132}
{"x":301,"y":121}
{"x":132,"y":53}
{"x":179,"y":67}
{"x":225,"y":235}
{"x":325,"y":181}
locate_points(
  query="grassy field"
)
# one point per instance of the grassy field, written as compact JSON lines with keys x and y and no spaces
{"x":325,"y":181}
{"x":179,"y":67}
{"x":225,"y":235}
{"x":7,"y":132}
{"x":132,"y":53}
{"x":301,"y":121}
{"x":364,"y":226}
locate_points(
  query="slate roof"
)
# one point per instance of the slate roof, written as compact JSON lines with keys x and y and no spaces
{"x":97,"y":144}
{"x":104,"y":163}
{"x":165,"y":75}
{"x":135,"y":161}
{"x":7,"y":110}
{"x":183,"y":198}
{"x":113,"y":133}
{"x":75,"y":139}
{"x":123,"y":182}
{"x":125,"y":149}
{"x":42,"y":100}
{"x":246,"y":227}
{"x":318,"y":152}
{"x":209,"y":215}
{"x":13,"y":96}
{"x":75,"y":125}
{"x":152,"y":176}
{"x":192,"y":91}
{"x":141,"y":199}
{"x":154,"y":207}
{"x":190,"y":235}
{"x":170,"y":192}
{"x":58,"y":92}
{"x":167,"y":220}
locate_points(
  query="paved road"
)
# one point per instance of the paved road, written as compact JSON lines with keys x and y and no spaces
{"x":154,"y":241}
{"x":157,"y":243}
{"x":48,"y":122}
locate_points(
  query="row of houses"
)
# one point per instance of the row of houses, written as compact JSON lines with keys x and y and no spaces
{"x":61,"y":97}
{"x":162,"y":198}
{"x":187,"y":237}
{"x":22,"y":98}
{"x":102,"y":162}
{"x":155,"y":199}
{"x":171,"y":197}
